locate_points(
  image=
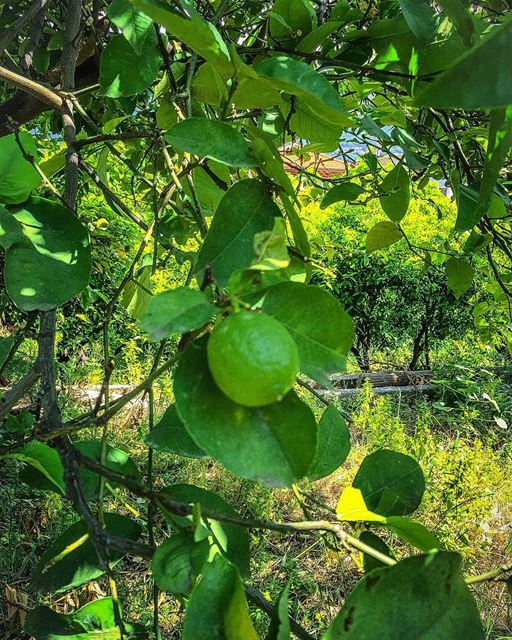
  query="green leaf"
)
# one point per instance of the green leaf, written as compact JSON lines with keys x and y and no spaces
{"x":271,"y":249}
{"x":176,"y":311}
{"x":217,"y":609}
{"x":211,"y":139}
{"x":246,"y":209}
{"x":498,"y":145}
{"x":53,"y":247}
{"x":369,"y":562}
{"x":381,"y":235}
{"x":317,"y":322}
{"x":6,"y":343}
{"x":468,"y":213}
{"x":421,"y":19}
{"x":136,"y":294}
{"x":134,"y":24}
{"x":294,"y":18}
{"x":96,"y":619}
{"x":232,"y":540}
{"x":299,"y":79}
{"x":189,"y":27}
{"x":317,"y":37}
{"x":458,"y":13}
{"x":170,"y":436}
{"x":280,"y":621}
{"x":396,"y":193}
{"x":115,"y":459}
{"x":274,"y":444}
{"x":423,"y":597}
{"x":391,"y":483}
{"x":412,"y":532}
{"x":333,"y":444}
{"x":459,"y":274}
{"x":17,"y":175}
{"x":45,"y":460}
{"x":71,"y":560}
{"x":346,"y":191}
{"x":123,"y":72}
{"x":480,"y":79}
{"x":178,"y":561}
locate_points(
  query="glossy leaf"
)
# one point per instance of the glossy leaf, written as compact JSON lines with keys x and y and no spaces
{"x":134,"y":24}
{"x":18,"y":177}
{"x":176,"y":311}
{"x":53,"y":247}
{"x":211,"y":139}
{"x":189,"y":27}
{"x":346,"y":191}
{"x":96,"y":620}
{"x":321,"y":328}
{"x":280,"y":622}
{"x":396,"y":193}
{"x":123,"y":71}
{"x":333,"y":444}
{"x":459,"y":274}
{"x":45,"y":460}
{"x":412,"y":532}
{"x":274,"y":444}
{"x":390,"y":482}
{"x":232,"y":539}
{"x":423,"y":597}
{"x":178,"y":561}
{"x":170,"y":436}
{"x":480,"y":79}
{"x":421,"y":19}
{"x":381,"y":235}
{"x":246,"y":209}
{"x":299,"y":79}
{"x":71,"y":559}
{"x":217,"y":609}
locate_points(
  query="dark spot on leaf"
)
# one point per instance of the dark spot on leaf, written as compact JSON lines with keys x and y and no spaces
{"x":371,"y":581}
{"x":349,"y":619}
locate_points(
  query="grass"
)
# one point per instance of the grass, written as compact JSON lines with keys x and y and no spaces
{"x":468,"y":505}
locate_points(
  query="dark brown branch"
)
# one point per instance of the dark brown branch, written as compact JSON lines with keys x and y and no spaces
{"x":18,"y":391}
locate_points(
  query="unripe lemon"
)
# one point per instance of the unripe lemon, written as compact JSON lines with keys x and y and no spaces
{"x":252,"y":358}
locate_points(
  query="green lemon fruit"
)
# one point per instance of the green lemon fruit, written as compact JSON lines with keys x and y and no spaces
{"x":253,"y":359}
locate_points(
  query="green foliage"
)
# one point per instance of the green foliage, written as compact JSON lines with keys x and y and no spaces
{"x":376,"y":604}
{"x":187,"y":117}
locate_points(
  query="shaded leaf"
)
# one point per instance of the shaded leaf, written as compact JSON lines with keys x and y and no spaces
{"x":459,"y":274}
{"x":381,"y":235}
{"x":178,"y":561}
{"x":396,"y":188}
{"x":170,"y":436}
{"x":345,"y":191}
{"x":333,"y":444}
{"x":391,"y":483}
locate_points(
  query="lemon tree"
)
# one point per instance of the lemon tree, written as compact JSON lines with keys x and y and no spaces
{"x":175,"y":115}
